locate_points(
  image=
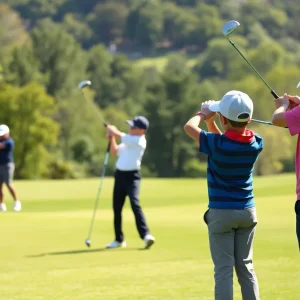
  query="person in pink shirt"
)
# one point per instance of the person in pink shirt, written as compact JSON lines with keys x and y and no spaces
{"x":287,"y":114}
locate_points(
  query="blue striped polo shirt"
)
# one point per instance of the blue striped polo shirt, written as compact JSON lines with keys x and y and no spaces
{"x":231,"y":159}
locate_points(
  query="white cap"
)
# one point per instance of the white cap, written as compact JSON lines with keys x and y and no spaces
{"x":235,"y":106}
{"x":3,"y":129}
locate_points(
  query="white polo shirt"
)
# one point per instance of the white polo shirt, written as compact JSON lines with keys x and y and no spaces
{"x":130,"y":152}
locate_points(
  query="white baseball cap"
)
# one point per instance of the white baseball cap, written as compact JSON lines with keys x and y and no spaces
{"x":235,"y":106}
{"x":3,"y":129}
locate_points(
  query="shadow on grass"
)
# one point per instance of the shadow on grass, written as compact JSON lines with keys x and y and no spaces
{"x":85,"y":251}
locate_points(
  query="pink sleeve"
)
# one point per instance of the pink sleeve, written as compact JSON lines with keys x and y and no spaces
{"x":292,"y":118}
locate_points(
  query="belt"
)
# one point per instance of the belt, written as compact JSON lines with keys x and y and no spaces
{"x":127,"y":171}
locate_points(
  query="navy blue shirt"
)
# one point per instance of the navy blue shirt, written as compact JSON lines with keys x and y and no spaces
{"x":6,"y":154}
{"x":231,"y":159}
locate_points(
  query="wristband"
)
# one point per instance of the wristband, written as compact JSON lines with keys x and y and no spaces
{"x":201,"y":113}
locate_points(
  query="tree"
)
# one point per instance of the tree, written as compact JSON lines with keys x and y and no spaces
{"x":116,"y":81}
{"x":281,"y":79}
{"x":128,"y":85}
{"x":36,"y":9}
{"x":82,"y":149}
{"x":12,"y":31}
{"x":219,"y":60}
{"x":293,"y":21}
{"x":257,"y":35}
{"x":273,"y":19}
{"x":60,"y":58}
{"x":150,"y":24}
{"x":98,"y":68}
{"x":171,"y":102}
{"x":273,"y":157}
{"x":28,"y":111}
{"x":208,"y":26}
{"x":186,"y":2}
{"x":84,"y":134}
{"x":229,"y":9}
{"x":274,"y":55}
{"x":145,"y":23}
{"x":78,"y":6}
{"x":24,"y":67}
{"x":179,"y":24}
{"x":79,"y":29}
{"x":107,"y":21}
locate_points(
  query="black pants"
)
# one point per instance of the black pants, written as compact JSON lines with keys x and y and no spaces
{"x":297,"y":211}
{"x":127,"y":183}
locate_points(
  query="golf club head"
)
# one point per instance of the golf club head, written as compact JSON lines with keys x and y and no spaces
{"x":298,"y":85}
{"x":229,"y":27}
{"x":88,"y":242}
{"x":84,"y":83}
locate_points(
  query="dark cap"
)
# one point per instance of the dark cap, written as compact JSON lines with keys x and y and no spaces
{"x":139,"y":122}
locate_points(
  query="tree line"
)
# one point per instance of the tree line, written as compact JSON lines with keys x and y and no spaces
{"x":47,"y":48}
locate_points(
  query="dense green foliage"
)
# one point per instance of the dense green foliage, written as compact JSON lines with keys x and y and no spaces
{"x":47,"y":47}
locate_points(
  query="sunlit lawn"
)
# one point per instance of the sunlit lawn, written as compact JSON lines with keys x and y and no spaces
{"x":159,"y":62}
{"x":43,"y":255}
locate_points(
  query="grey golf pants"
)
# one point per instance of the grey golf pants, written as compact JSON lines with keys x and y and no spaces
{"x":7,"y":173}
{"x":231,"y":234}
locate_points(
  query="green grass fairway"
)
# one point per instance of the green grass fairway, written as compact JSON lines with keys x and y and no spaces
{"x":160,"y":62}
{"x":43,"y":255}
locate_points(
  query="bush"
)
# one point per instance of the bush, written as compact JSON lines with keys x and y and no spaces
{"x":82,"y":149}
{"x":59,"y":169}
{"x":195,"y":168}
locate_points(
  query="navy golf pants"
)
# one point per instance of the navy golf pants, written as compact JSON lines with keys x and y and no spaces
{"x":297,"y":211}
{"x":127,"y":183}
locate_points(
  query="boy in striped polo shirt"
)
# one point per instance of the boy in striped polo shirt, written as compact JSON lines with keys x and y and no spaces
{"x":231,"y":217}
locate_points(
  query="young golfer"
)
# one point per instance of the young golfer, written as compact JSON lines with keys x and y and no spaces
{"x":231,"y":217}
{"x":128,"y":178}
{"x":287,"y":114}
{"x":7,"y":167}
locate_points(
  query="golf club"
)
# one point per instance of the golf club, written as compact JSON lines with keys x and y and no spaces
{"x":262,"y":122}
{"x":86,"y":83}
{"x":88,"y":239}
{"x":227,"y":29}
{"x":82,"y":85}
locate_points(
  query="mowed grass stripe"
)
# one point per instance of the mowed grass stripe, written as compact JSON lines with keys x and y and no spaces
{"x":80,"y":194}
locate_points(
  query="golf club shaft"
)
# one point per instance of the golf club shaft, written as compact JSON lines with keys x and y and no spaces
{"x":252,"y":67}
{"x":262,"y":122}
{"x":95,"y":108}
{"x":99,"y":190}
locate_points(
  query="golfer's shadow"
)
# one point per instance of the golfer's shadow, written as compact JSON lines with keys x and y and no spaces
{"x":85,"y":251}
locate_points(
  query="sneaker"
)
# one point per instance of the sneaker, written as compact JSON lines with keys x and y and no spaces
{"x":3,"y":206}
{"x":116,"y":244}
{"x":17,"y":206}
{"x":149,"y":241}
